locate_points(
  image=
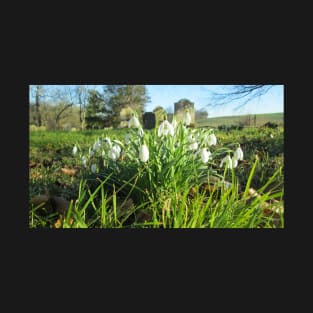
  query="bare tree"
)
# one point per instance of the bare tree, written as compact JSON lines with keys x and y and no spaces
{"x":37,"y":104}
{"x":82,"y":95}
{"x":241,"y":93}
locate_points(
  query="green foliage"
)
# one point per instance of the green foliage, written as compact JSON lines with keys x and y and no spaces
{"x":97,"y":115}
{"x":170,"y":190}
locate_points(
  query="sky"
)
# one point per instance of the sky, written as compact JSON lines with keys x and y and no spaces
{"x":167,"y":95}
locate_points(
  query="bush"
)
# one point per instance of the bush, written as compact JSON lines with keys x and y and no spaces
{"x":270,"y":125}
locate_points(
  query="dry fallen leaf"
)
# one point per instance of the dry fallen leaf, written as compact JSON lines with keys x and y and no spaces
{"x":68,"y":171}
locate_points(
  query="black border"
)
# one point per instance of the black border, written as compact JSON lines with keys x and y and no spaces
{"x":245,"y":251}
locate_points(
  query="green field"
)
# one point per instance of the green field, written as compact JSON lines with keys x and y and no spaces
{"x":172,"y":189}
{"x":261,"y":119}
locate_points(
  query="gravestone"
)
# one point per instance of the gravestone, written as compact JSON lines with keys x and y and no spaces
{"x":148,"y":119}
{"x":180,"y":108}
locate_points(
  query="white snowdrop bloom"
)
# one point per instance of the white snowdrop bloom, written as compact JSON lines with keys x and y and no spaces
{"x":193,"y":146}
{"x":141,"y":132}
{"x":165,"y":128}
{"x":97,"y":145}
{"x":118,"y":149}
{"x":174,"y":122}
{"x":93,"y":168}
{"x":115,"y":152}
{"x":205,"y":155}
{"x":272,"y":136}
{"x":107,"y":143}
{"x":234,"y":162}
{"x":228,"y":161}
{"x":143,"y":153}
{"x":84,"y":160}
{"x":91,"y":152}
{"x":127,"y":138}
{"x":186,"y":118}
{"x":211,"y":140}
{"x":238,"y":154}
{"x":112,"y":154}
{"x":75,"y":150}
{"x":133,"y":122}
{"x":190,"y":138}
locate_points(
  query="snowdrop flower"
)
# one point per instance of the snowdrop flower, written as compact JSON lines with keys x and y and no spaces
{"x":165,"y":128}
{"x":97,"y":145}
{"x":127,"y":138}
{"x":193,"y":146}
{"x":228,"y":161}
{"x":174,"y":122}
{"x":107,"y":143}
{"x":91,"y":152}
{"x":210,"y":140}
{"x":272,"y":136}
{"x":238,"y":154}
{"x":93,"y":168}
{"x":84,"y":160}
{"x":234,"y":162}
{"x":115,"y":152}
{"x":133,"y":122}
{"x":141,"y":132}
{"x":191,"y":138}
{"x":143,"y":153}
{"x":74,"y":150}
{"x":186,"y":118}
{"x":112,"y":154}
{"x":205,"y":155}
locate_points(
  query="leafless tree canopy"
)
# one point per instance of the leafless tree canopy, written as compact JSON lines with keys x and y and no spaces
{"x":241,"y":93}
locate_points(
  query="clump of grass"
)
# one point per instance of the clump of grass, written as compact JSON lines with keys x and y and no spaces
{"x":173,"y":188}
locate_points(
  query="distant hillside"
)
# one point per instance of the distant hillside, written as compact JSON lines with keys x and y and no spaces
{"x":260,"y":120}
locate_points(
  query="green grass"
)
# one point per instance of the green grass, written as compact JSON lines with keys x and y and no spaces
{"x":261,"y":119}
{"x":171,"y":190}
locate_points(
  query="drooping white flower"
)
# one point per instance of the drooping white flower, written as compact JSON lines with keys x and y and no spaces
{"x":165,"y":128}
{"x":210,"y":140}
{"x":133,"y":122}
{"x":234,"y":162}
{"x":75,"y":150}
{"x":107,"y":143}
{"x":186,"y":118}
{"x":93,"y":168}
{"x":143,"y":153}
{"x":205,"y":155}
{"x":228,"y":161}
{"x":193,"y":146}
{"x":97,"y":145}
{"x":238,"y":154}
{"x":91,"y":152}
{"x":112,"y":154}
{"x":141,"y":132}
{"x":174,"y":123}
{"x":84,"y":160}
{"x":127,"y":138}
{"x":115,"y":152}
{"x":190,"y":138}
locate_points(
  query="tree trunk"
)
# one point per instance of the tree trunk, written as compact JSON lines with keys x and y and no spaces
{"x":38,"y":94}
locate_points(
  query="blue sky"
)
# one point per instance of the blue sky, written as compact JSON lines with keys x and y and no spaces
{"x":167,"y":95}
